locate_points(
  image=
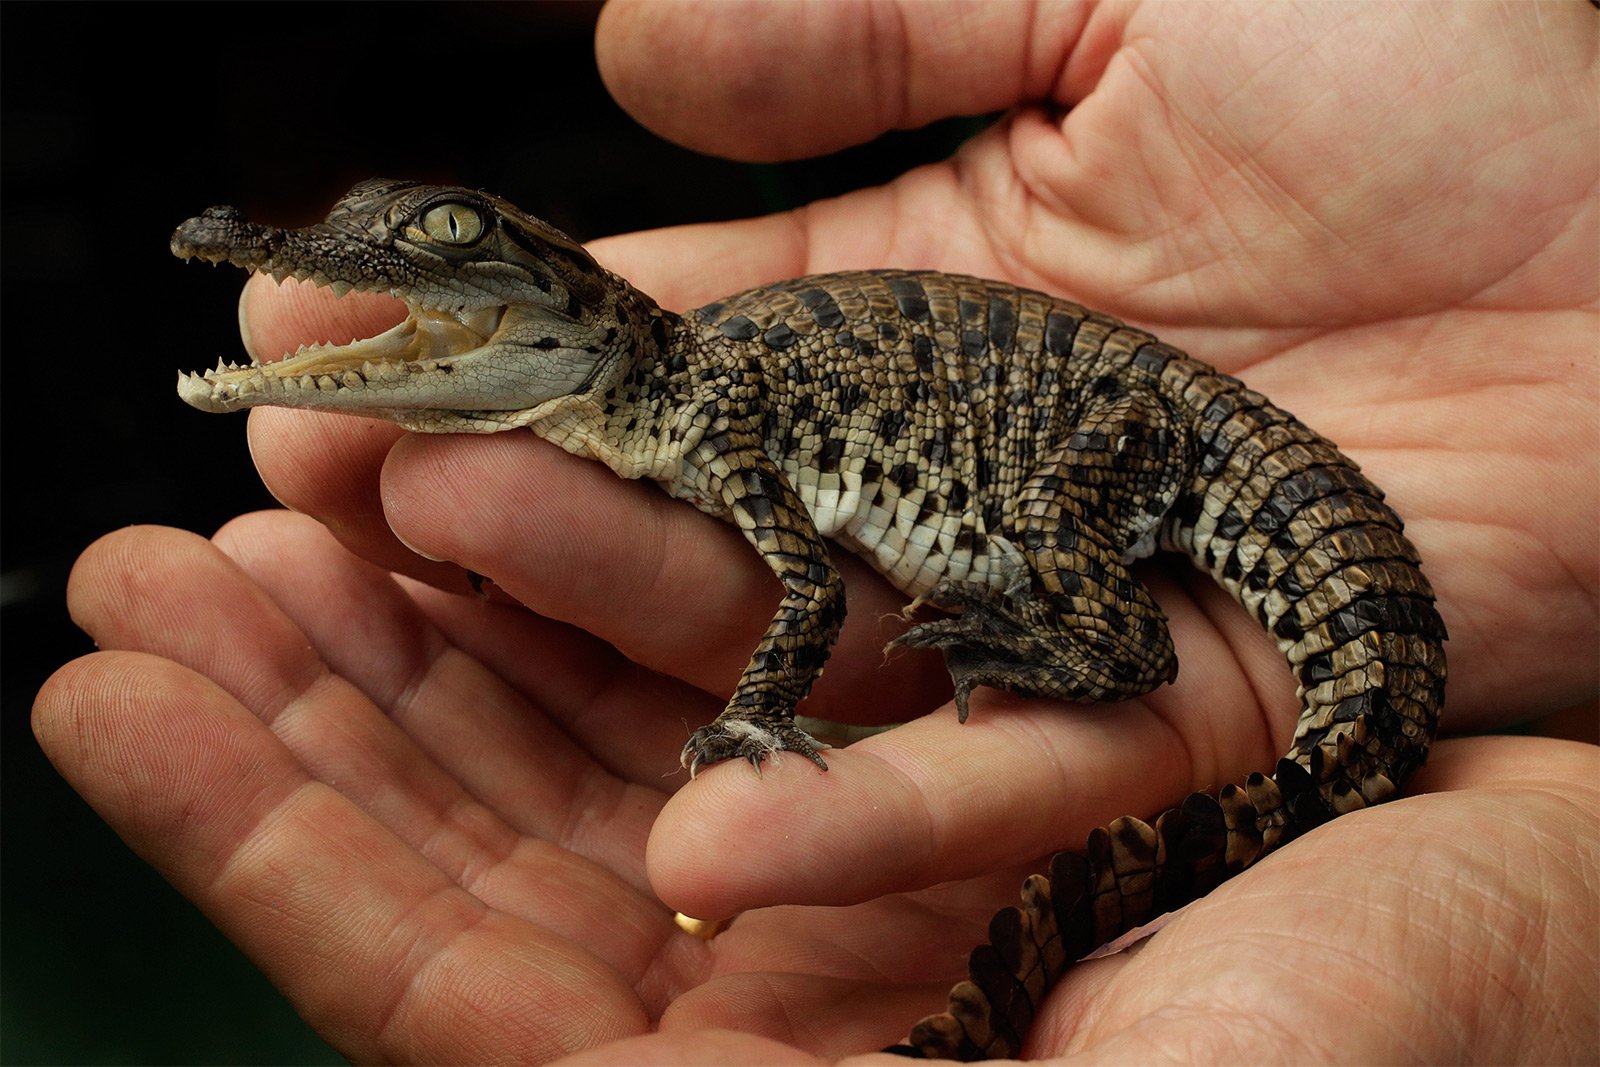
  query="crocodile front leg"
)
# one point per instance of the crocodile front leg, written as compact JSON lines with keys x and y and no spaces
{"x":759,"y":718}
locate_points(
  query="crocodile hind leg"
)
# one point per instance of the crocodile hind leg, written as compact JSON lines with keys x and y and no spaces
{"x":1071,"y":622}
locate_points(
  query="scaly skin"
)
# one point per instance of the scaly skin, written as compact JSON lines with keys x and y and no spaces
{"x":992,"y":451}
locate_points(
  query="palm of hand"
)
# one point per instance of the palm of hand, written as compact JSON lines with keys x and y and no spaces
{"x":495,"y":775}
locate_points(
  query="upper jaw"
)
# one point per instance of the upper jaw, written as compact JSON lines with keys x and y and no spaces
{"x":319,"y":253}
{"x":338,"y":254}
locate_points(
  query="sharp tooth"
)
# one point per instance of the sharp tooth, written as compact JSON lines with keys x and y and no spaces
{"x":221,"y":369}
{"x":352,"y":380}
{"x":368,"y":370}
{"x":279,"y":274}
{"x":341,"y":288}
{"x":327,"y":384}
{"x":301,"y":350}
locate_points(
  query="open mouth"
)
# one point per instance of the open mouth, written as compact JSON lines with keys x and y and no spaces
{"x":425,"y":342}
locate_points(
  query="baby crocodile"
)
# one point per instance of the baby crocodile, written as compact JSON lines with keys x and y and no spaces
{"x":993,"y":451}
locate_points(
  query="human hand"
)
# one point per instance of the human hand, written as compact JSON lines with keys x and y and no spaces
{"x":425,"y":818}
{"x":1381,"y":313}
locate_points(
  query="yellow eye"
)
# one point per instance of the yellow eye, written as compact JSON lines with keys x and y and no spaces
{"x":452,"y":224}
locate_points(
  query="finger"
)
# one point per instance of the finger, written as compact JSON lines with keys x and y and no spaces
{"x":136,"y":589}
{"x":309,"y":886}
{"x":277,"y":318}
{"x":781,"y":81}
{"x":320,"y":464}
{"x":936,"y":799}
{"x":330,"y":467}
{"x":673,"y":589}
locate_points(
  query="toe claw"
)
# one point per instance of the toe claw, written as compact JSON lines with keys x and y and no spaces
{"x":751,"y":739}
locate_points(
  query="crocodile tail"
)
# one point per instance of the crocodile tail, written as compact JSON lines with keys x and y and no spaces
{"x":1129,"y":873}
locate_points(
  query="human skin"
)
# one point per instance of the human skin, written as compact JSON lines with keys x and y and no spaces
{"x":445,"y":828}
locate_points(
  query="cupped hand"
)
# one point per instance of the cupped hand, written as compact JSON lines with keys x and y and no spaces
{"x":1383,"y":220}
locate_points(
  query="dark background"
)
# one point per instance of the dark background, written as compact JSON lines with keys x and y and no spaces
{"x":118,"y":122}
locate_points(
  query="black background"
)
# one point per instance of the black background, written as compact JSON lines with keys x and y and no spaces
{"x":118,"y":122}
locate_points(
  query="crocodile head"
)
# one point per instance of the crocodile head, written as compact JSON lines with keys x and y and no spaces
{"x":506,"y":313}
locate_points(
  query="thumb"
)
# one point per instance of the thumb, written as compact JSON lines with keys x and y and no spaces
{"x":760,"y":81}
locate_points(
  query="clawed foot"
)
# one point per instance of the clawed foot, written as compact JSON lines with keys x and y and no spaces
{"x":980,"y":639}
{"x":1018,"y":640}
{"x":997,"y":637}
{"x":751,"y":739}
{"x":975,"y":642}
{"x":961,"y":640}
